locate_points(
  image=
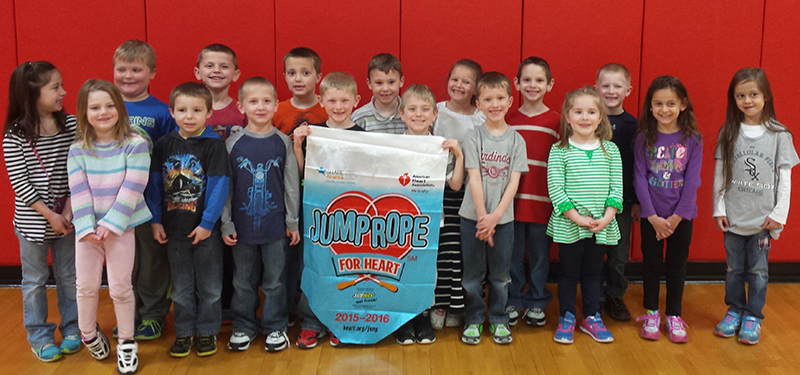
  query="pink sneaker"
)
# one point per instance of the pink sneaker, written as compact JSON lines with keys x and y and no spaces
{"x":650,"y":327}
{"x":677,"y":329}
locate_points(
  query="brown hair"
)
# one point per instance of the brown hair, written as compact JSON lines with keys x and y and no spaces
{"x":84,"y":133}
{"x":686,"y":120}
{"x":385,"y":62}
{"x":24,"y":90}
{"x":256,"y":81}
{"x":304,"y":53}
{"x":471,"y":65}
{"x":492,"y":80}
{"x":192,"y":90}
{"x":136,"y":50}
{"x":603,"y":131}
{"x":217,"y":47}
{"x":420,"y":91}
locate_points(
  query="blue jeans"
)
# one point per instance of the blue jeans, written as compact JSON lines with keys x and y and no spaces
{"x":533,"y":239}
{"x":196,"y":285}
{"x":255,"y":265}
{"x":35,"y":272}
{"x":476,"y":256}
{"x":747,"y":258}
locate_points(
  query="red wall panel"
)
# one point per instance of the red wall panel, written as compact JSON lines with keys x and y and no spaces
{"x":8,"y":61}
{"x":345,"y":34}
{"x":578,"y":37}
{"x":703,"y":44}
{"x":779,"y":59}
{"x":434,"y":35}
{"x":179,"y":29}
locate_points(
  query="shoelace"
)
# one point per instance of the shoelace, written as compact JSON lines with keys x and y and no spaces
{"x":152,"y":324}
{"x":650,"y":321}
{"x":749,"y":325}
{"x":566,"y":325}
{"x":729,"y":319}
{"x":677,"y":324}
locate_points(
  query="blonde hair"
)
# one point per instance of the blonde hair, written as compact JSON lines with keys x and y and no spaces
{"x":340,"y":81}
{"x":256,"y":81}
{"x":492,"y":80}
{"x":136,"y":50}
{"x":84,"y":133}
{"x":419,"y":91}
{"x":603,"y":131}
{"x":615,"y":68}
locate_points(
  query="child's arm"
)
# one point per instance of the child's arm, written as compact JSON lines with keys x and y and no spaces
{"x":718,"y":199}
{"x":687,"y":205}
{"x":228,"y":229}
{"x":137,"y":167}
{"x":216,"y":192}
{"x":291,"y":196}
{"x":490,"y":221}
{"x":648,"y":211}
{"x":614,"y":199}
{"x":777,"y":218}
{"x":556,"y":181}
{"x":154,"y":195}
{"x":300,"y":133}
{"x":456,"y":179}
{"x":81,"y":195}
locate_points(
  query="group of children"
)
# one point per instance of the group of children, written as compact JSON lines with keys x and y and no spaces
{"x":175,"y":182}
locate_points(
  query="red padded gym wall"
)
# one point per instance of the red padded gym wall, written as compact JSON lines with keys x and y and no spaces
{"x":434,"y":35}
{"x":779,"y":59}
{"x":345,"y":35}
{"x":179,"y":29}
{"x":578,"y":37}
{"x":80,"y":40}
{"x":8,"y":61}
{"x":703,"y":43}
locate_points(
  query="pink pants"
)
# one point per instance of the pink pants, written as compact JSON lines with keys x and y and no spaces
{"x":118,"y":253}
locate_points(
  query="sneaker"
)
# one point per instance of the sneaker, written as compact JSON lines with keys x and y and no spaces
{"x":148,"y":330}
{"x":729,"y":325}
{"x":454,"y":320}
{"x":513,"y":315}
{"x":98,"y":346}
{"x":437,"y":318}
{"x":240,"y":341}
{"x":616,"y":309}
{"x":405,"y":335}
{"x":593,"y":325}
{"x":424,"y":330}
{"x":566,"y":325}
{"x":182,"y":346}
{"x":472,"y":334}
{"x":650,"y":328}
{"x":677,"y":329}
{"x":751,"y":330}
{"x":127,"y":358}
{"x":276,"y":341}
{"x":309,"y":338}
{"x":70,"y":344}
{"x":501,"y":333}
{"x":534,"y":317}
{"x":47,"y":353}
{"x":206,"y":345}
{"x":335,"y":342}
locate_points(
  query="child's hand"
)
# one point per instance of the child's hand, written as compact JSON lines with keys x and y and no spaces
{"x":93,"y":238}
{"x":300,"y":133}
{"x":453,"y":146}
{"x":597,"y":225}
{"x":722,"y":223}
{"x":635,"y":211}
{"x":584,"y":221}
{"x":294,"y":236}
{"x":59,"y":223}
{"x":158,"y":233}
{"x":199,"y":234}
{"x":488,"y":221}
{"x":104,"y":233}
{"x":770,"y":224}
{"x":230,"y":239}
{"x":662,"y":227}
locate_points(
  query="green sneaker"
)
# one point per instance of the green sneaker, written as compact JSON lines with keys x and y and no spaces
{"x":472,"y":334}
{"x":148,"y":330}
{"x":47,"y":353}
{"x":502,"y":335}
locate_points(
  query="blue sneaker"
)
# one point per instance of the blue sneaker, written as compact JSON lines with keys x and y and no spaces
{"x":47,"y":353}
{"x":751,"y":330}
{"x":593,"y":325}
{"x":729,"y":325}
{"x":566,"y":325}
{"x":148,"y":330}
{"x":70,"y":344}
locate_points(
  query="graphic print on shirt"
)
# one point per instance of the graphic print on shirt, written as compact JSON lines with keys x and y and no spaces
{"x":751,"y":158}
{"x":489,"y":167}
{"x":139,"y":123}
{"x":665,"y":160}
{"x":184,"y":182}
{"x":260,"y":198}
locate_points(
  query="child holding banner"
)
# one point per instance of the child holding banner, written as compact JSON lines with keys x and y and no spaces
{"x":495,"y":158}
{"x":418,"y":110}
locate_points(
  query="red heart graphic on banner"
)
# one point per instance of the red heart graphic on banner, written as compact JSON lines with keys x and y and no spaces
{"x":404,"y":179}
{"x":380,"y":206}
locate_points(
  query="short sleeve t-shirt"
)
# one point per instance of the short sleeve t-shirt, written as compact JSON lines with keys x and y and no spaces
{"x":496,"y":157}
{"x":227,"y":121}
{"x":288,"y":117}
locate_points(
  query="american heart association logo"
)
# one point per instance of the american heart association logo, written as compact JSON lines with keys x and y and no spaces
{"x":404,"y":179}
{"x":379,"y":206}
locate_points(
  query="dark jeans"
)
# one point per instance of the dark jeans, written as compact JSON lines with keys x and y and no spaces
{"x":673,"y":265}
{"x":618,"y":256}
{"x":151,"y":276}
{"x":256,"y":265}
{"x":477,"y":258}
{"x":197,"y":285}
{"x":530,"y":238}
{"x":748,"y":261}
{"x":580,"y":261}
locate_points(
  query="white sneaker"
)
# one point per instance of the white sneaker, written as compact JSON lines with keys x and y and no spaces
{"x":437,"y":318}
{"x":454,"y":320}
{"x":240,"y":341}
{"x":127,"y":357}
{"x":535,"y":317}
{"x":98,"y":346}
{"x":277,"y":341}
{"x":513,"y":315}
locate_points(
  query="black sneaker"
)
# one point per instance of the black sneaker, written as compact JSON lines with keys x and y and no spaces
{"x":616,"y":309}
{"x":405,"y":334}
{"x":181,"y":347}
{"x":206,"y":345}
{"x":424,"y":329}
